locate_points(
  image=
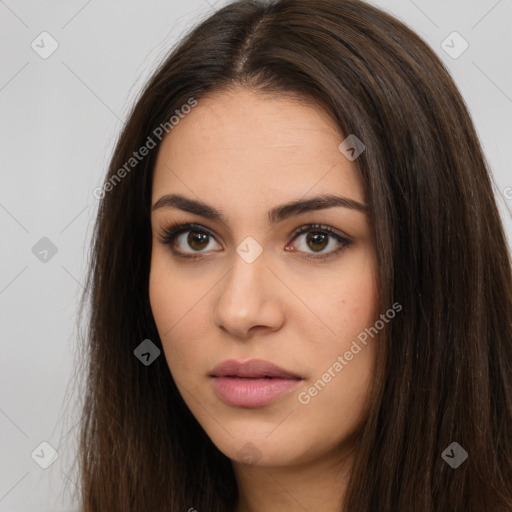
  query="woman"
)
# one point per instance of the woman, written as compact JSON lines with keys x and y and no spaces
{"x":301,"y":290}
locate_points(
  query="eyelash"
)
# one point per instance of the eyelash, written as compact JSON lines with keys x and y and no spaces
{"x":171,"y":233}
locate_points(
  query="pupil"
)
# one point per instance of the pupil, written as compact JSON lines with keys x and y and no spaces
{"x":317,"y":238}
{"x":200,"y":239}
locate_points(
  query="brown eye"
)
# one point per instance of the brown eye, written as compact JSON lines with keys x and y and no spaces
{"x":197,"y":241}
{"x":192,"y":240}
{"x":312,"y":241}
{"x":188,"y":240}
{"x":317,"y":241}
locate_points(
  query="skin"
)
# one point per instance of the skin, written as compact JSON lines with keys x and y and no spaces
{"x":245,"y":153}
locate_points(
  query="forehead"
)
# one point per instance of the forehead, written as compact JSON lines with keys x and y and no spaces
{"x":257,"y":145}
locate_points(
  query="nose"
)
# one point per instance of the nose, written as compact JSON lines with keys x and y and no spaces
{"x":248,"y":299}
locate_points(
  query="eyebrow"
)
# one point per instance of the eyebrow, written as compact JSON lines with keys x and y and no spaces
{"x":277,"y":214}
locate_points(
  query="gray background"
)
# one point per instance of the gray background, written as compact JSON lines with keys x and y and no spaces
{"x":60,"y":118}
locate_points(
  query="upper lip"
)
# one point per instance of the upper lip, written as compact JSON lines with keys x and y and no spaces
{"x":254,"y":368}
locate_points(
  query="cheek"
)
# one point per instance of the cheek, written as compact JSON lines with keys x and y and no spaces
{"x":170,"y":294}
{"x":336,"y":405}
{"x":343,"y":359}
{"x":360,"y":298}
{"x":179,"y":310}
{"x":345,"y":307}
{"x":167,"y":297}
{"x":359,"y":306}
{"x":161,"y":295}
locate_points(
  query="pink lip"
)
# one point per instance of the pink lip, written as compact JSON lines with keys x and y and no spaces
{"x":254,"y":383}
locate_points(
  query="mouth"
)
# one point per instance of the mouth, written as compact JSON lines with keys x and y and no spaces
{"x":252,"y":369}
{"x":255,"y":383}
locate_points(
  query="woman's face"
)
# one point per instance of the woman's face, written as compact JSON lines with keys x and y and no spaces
{"x":243,"y":285}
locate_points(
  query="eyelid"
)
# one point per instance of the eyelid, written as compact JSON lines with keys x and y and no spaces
{"x":170,"y":233}
{"x":341,"y":238}
{"x":320,"y":227}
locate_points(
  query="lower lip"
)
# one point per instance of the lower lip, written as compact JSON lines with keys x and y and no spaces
{"x":251,"y":392}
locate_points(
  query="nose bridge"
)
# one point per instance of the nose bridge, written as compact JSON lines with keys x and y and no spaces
{"x":245,"y":283}
{"x":245,"y":299}
{"x":248,"y":267}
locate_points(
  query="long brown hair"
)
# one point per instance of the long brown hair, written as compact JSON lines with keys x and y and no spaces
{"x":444,"y":371}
